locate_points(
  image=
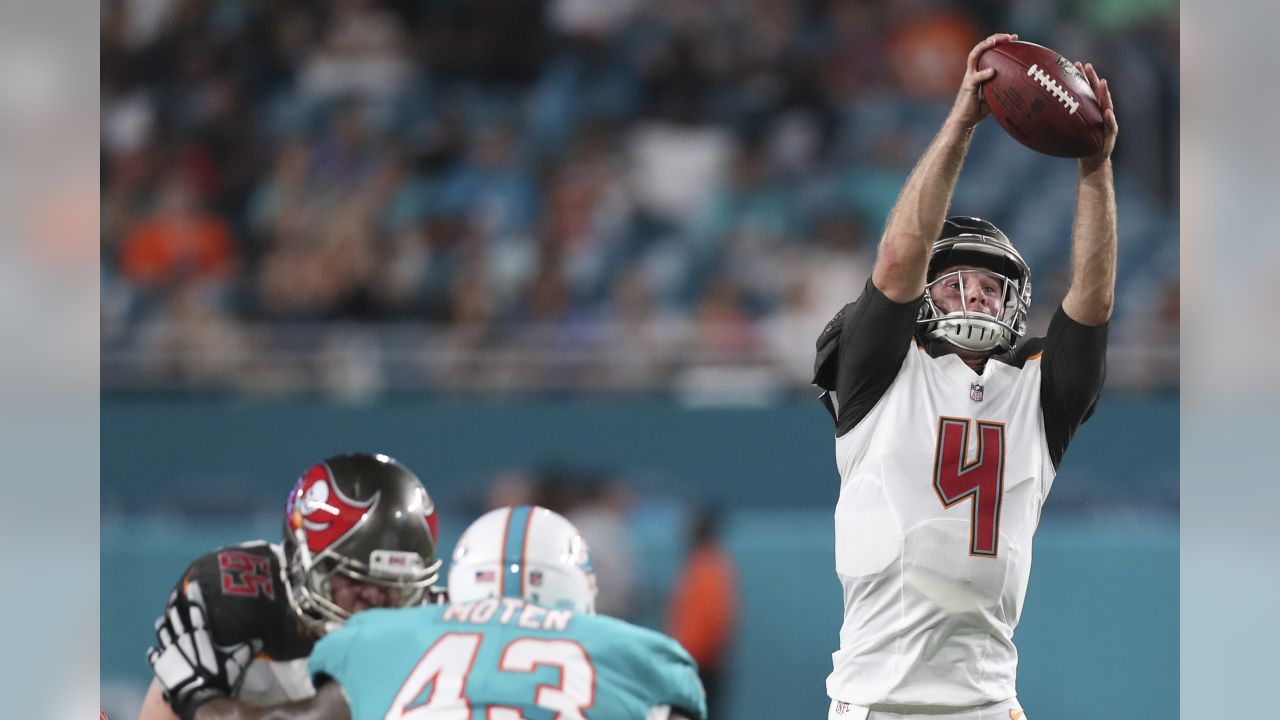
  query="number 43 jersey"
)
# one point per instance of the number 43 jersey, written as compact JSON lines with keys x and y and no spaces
{"x":505,"y":659}
{"x":943,"y":473}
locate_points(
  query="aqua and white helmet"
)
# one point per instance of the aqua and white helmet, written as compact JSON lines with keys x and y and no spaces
{"x":524,"y":552}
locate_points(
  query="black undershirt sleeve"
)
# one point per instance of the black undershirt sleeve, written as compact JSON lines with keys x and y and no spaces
{"x":863,"y":357}
{"x":1073,"y":369}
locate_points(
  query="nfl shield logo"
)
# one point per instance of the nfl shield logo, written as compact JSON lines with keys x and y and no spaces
{"x":975,"y":392}
{"x":842,"y":707}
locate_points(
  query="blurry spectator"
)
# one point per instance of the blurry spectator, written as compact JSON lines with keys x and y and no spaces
{"x":723,"y":329}
{"x":498,"y":43}
{"x":589,"y":18}
{"x":508,"y":489}
{"x":179,"y":239}
{"x":926,"y":49}
{"x":855,"y":59}
{"x":493,"y":187}
{"x":704,"y":606}
{"x":343,"y":156}
{"x":814,"y":281}
{"x":678,"y":153}
{"x":279,"y":206}
{"x":746,"y":225}
{"x":192,"y":341}
{"x":472,"y":333}
{"x":587,"y":206}
{"x":601,"y":517}
{"x":673,"y":170}
{"x":637,"y":341}
{"x":364,"y":53}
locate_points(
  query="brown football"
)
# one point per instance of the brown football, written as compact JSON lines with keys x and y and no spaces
{"x":1042,"y":100}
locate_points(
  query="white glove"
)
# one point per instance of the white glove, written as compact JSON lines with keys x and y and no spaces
{"x":190,"y":667}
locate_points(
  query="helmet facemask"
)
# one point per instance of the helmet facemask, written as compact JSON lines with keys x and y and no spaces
{"x":971,"y":329}
{"x":311,"y":588}
{"x":988,"y":256}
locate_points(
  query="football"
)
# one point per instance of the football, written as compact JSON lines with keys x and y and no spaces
{"x":1042,"y":100}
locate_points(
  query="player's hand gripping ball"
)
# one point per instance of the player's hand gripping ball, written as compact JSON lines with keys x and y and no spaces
{"x":1042,"y":100}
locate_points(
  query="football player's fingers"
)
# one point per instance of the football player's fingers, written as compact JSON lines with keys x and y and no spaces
{"x":176,"y":622}
{"x":981,"y":76}
{"x":206,"y":655}
{"x":173,"y":670}
{"x":981,"y":48}
{"x":1092,"y":75}
{"x":195,"y":595}
{"x":186,"y":645}
{"x":165,"y":635}
{"x":1103,"y":92}
{"x":197,"y":618}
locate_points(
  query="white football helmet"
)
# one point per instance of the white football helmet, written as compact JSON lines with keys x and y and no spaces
{"x":524,"y":552}
{"x":973,"y":241}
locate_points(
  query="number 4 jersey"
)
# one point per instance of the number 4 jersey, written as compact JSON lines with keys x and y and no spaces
{"x":505,"y":659}
{"x":942,"y":477}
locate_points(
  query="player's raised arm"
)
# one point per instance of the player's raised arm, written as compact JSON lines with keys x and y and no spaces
{"x":1093,"y":238}
{"x":917,"y":216}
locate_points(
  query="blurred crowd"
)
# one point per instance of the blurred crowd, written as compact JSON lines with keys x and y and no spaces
{"x":357,"y":195}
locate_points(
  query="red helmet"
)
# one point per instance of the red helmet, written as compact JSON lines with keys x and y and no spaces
{"x":367,"y":517}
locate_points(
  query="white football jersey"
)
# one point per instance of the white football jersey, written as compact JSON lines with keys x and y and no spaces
{"x":942,"y":480}
{"x":940,"y":494}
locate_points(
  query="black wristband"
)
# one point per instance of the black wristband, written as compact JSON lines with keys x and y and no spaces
{"x":186,"y":707}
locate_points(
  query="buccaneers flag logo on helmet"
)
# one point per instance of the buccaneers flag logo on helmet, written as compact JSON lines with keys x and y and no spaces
{"x":318,"y":507}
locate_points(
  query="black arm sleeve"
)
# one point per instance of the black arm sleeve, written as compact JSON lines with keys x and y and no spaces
{"x":1072,"y":372}
{"x":860,"y":353}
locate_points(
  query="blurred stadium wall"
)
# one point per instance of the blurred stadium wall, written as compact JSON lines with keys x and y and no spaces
{"x":596,"y":241}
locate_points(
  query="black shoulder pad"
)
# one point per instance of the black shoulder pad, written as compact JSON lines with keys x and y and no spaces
{"x":243,"y":586}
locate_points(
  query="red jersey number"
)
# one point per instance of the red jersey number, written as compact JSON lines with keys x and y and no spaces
{"x":981,"y":481}
{"x":245,"y":575}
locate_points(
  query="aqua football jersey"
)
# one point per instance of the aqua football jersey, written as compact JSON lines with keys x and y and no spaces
{"x":505,"y":659}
